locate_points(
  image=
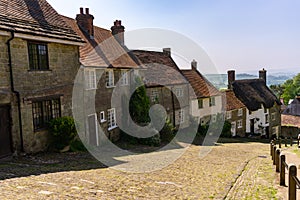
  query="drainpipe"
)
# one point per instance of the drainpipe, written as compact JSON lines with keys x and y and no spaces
{"x":13,"y":87}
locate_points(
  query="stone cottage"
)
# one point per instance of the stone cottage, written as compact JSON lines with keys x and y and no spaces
{"x":38,"y":64}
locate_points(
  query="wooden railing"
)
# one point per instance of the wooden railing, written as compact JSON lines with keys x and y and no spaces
{"x":279,"y":161}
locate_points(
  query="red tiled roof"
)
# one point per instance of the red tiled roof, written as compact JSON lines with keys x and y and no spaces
{"x":159,"y":68}
{"x":103,"y":50}
{"x":232,"y":102}
{"x":202,"y":87}
{"x":34,"y":17}
{"x":290,"y":120}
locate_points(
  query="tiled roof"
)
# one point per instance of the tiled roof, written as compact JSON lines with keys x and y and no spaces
{"x":290,"y":120}
{"x":159,"y":68}
{"x":232,"y":102}
{"x":293,"y":108}
{"x":102,"y":50}
{"x":202,"y":87}
{"x":34,"y":17}
{"x":253,"y":93}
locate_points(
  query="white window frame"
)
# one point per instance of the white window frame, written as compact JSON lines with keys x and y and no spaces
{"x":202,"y":105}
{"x":273,"y":116}
{"x":109,"y":78}
{"x":240,"y":112}
{"x":228,"y":114}
{"x":181,"y":116}
{"x":214,"y":118}
{"x":179,"y":92}
{"x":154,"y":94}
{"x":111,"y":119}
{"x":102,"y":117}
{"x":90,"y":79}
{"x":267,"y":120}
{"x":240,"y":123}
{"x":124,"y":77}
{"x":212,"y":101}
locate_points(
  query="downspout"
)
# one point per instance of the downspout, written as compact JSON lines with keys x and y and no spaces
{"x":13,"y":88}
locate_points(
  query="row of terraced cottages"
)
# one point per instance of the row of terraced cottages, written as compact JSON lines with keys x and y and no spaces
{"x":45,"y":55}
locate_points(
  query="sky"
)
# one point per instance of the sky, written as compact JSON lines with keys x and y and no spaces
{"x":242,"y":35}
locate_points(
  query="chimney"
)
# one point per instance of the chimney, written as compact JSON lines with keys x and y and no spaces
{"x":167,"y":51}
{"x":263,"y":75}
{"x":194,"y":65}
{"x":231,"y":78}
{"x":118,"y":31}
{"x":85,"y":21}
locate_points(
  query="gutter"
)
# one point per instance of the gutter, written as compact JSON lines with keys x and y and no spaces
{"x":13,"y":88}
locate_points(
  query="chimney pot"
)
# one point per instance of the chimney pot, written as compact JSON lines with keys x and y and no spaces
{"x":85,"y":22}
{"x":194,"y":64}
{"x":231,"y":78}
{"x":118,"y":31}
{"x":167,"y":51}
{"x":81,"y":10}
{"x":87,"y":11}
{"x":263,"y":75}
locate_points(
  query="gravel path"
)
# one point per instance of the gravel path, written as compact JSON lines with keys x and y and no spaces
{"x":190,"y":177}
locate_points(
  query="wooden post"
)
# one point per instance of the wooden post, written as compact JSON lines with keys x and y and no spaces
{"x":291,"y":141}
{"x":271,"y":147}
{"x":285,"y":141}
{"x":282,"y":170}
{"x":292,"y":182}
{"x":298,"y":143}
{"x":277,"y":159}
{"x":274,"y":154}
{"x":273,"y":151}
{"x":280,"y":143}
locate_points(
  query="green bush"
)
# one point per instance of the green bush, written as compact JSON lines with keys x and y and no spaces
{"x":77,"y":145}
{"x":62,"y":131}
{"x":167,"y":132}
{"x":151,"y":141}
{"x":226,"y":132}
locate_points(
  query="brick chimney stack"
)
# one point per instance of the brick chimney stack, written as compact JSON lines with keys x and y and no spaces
{"x":85,"y":21}
{"x":194,"y":65}
{"x":231,"y":78}
{"x":118,"y":31}
{"x":167,"y":51}
{"x":263,"y":75}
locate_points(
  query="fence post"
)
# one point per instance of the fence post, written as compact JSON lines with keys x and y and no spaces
{"x":274,"y":154}
{"x":285,"y":141}
{"x":282,"y":170}
{"x":291,"y":141}
{"x":292,"y":182}
{"x":298,"y":143}
{"x":277,"y":159}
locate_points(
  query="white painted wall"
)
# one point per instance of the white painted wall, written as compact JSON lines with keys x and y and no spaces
{"x":260,"y":114}
{"x":206,"y":110}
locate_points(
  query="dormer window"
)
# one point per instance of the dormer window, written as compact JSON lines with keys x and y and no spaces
{"x":38,"y":56}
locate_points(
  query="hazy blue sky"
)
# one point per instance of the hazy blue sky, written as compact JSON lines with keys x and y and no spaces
{"x":241,"y":34}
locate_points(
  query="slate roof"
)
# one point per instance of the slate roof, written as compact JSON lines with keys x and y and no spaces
{"x":34,"y":17}
{"x":102,"y":50}
{"x":159,"y":68}
{"x":232,"y":102}
{"x":253,"y":93}
{"x":202,"y":87}
{"x":293,"y":108}
{"x":290,"y":120}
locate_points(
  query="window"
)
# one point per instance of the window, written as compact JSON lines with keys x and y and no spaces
{"x":181,"y":116}
{"x":273,"y":116}
{"x":38,"y":56}
{"x":240,"y":112}
{"x":214,"y":118}
{"x":124,"y":77}
{"x":212,"y":101}
{"x":90,"y":78}
{"x":44,"y":111}
{"x":179,"y":92}
{"x":109,"y":78}
{"x":200,"y":103}
{"x":102,"y":117}
{"x":240,"y":124}
{"x":228,"y":115}
{"x":154,"y":95}
{"x":267,"y":118}
{"x":111,"y":118}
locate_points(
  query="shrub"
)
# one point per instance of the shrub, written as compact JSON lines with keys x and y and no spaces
{"x":62,"y":131}
{"x":226,"y":132}
{"x":77,"y":145}
{"x":167,"y":132}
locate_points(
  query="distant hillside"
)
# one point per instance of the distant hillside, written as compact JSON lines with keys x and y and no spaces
{"x":220,"y":80}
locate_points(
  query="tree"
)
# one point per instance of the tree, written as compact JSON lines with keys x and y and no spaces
{"x":291,"y":88}
{"x":277,"y":89}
